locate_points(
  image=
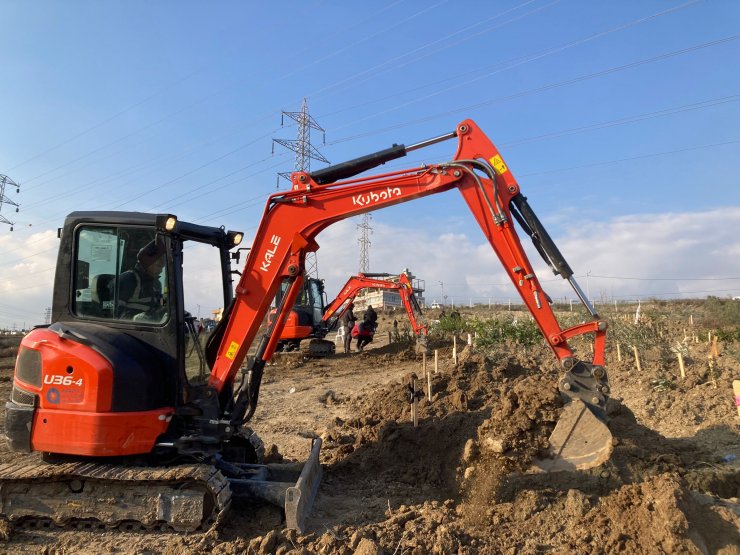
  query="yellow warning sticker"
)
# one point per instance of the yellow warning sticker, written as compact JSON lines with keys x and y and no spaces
{"x":498,"y":164}
{"x":233,"y":348}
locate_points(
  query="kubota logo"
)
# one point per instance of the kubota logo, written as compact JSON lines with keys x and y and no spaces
{"x":270,"y":253}
{"x":373,"y":197}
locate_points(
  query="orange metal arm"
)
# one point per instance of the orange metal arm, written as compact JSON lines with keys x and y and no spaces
{"x":292,"y":220}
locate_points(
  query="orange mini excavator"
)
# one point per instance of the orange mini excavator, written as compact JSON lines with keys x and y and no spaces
{"x":311,"y":319}
{"x":403,"y":287}
{"x":130,"y":434}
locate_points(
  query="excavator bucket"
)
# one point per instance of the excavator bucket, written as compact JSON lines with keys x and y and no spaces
{"x":292,"y":487}
{"x":579,"y":441}
{"x":422,"y":344}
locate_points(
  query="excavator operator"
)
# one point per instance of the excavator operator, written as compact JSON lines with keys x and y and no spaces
{"x":140,"y":290}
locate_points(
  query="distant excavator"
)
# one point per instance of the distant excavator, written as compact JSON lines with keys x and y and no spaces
{"x":303,"y":321}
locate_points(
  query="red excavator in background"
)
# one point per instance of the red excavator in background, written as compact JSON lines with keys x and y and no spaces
{"x":305,"y":319}
{"x":311,"y":319}
{"x":355,"y":284}
{"x":131,"y":433}
{"x":336,"y":309}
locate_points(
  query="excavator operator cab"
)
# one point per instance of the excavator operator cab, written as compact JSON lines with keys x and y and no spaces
{"x":305,"y":319}
{"x":120,"y":338}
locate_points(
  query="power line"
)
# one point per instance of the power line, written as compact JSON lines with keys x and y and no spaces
{"x":639,"y":157}
{"x":263,"y":160}
{"x":664,"y":278}
{"x":249,"y":202}
{"x":537,"y":90}
{"x":171,"y":114}
{"x":426,"y":49}
{"x":581,"y":40}
{"x":514,"y":62}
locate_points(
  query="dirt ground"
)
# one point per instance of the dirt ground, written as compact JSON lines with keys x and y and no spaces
{"x":456,"y":483}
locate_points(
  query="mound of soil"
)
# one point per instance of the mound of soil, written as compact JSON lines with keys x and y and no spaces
{"x":458,"y":482}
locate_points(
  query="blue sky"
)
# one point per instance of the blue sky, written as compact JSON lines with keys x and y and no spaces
{"x":610,"y":114}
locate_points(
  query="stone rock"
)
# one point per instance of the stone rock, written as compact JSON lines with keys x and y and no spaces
{"x":269,"y":542}
{"x":470,"y":450}
{"x":367,"y":547}
{"x":495,"y":444}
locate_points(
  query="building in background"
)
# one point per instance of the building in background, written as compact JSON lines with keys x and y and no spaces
{"x":389,"y":299}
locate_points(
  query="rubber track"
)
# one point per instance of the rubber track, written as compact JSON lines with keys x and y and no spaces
{"x":121,"y":476}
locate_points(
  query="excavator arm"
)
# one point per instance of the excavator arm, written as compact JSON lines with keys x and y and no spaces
{"x":336,"y":309}
{"x":292,"y":221}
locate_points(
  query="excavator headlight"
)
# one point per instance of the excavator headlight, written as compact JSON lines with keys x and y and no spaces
{"x":235,"y":238}
{"x":166,"y":222}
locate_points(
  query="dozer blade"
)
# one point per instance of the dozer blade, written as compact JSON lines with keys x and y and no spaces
{"x":579,"y":441}
{"x":292,"y":487}
{"x":321,"y":348}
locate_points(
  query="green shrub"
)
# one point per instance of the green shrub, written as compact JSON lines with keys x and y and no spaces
{"x":451,"y":325}
{"x":728,"y":335}
{"x":723,"y":313}
{"x":494,"y":332}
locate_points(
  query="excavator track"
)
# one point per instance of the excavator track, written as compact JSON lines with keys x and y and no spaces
{"x":183,"y":498}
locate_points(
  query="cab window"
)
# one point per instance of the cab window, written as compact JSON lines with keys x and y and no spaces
{"x":121,"y":274}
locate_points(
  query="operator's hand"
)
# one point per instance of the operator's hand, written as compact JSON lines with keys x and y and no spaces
{"x":155,"y":315}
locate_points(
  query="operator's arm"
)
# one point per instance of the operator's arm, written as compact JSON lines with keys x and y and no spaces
{"x":127,"y":283}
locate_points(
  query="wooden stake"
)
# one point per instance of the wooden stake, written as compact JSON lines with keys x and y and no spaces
{"x":410,"y":382}
{"x":454,"y":350}
{"x":436,"y":361}
{"x":637,"y":359}
{"x":619,"y":352}
{"x":470,"y":339}
{"x":681,"y":365}
{"x":736,"y":391}
{"x":429,"y":376}
{"x":709,"y":337}
{"x":415,"y":406}
{"x":712,"y":359}
{"x":691,"y":319}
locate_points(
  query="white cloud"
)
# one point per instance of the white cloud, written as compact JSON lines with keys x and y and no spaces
{"x":665,"y":251}
{"x":26,"y":277}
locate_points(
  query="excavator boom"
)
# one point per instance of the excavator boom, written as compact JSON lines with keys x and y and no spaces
{"x":292,"y":220}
